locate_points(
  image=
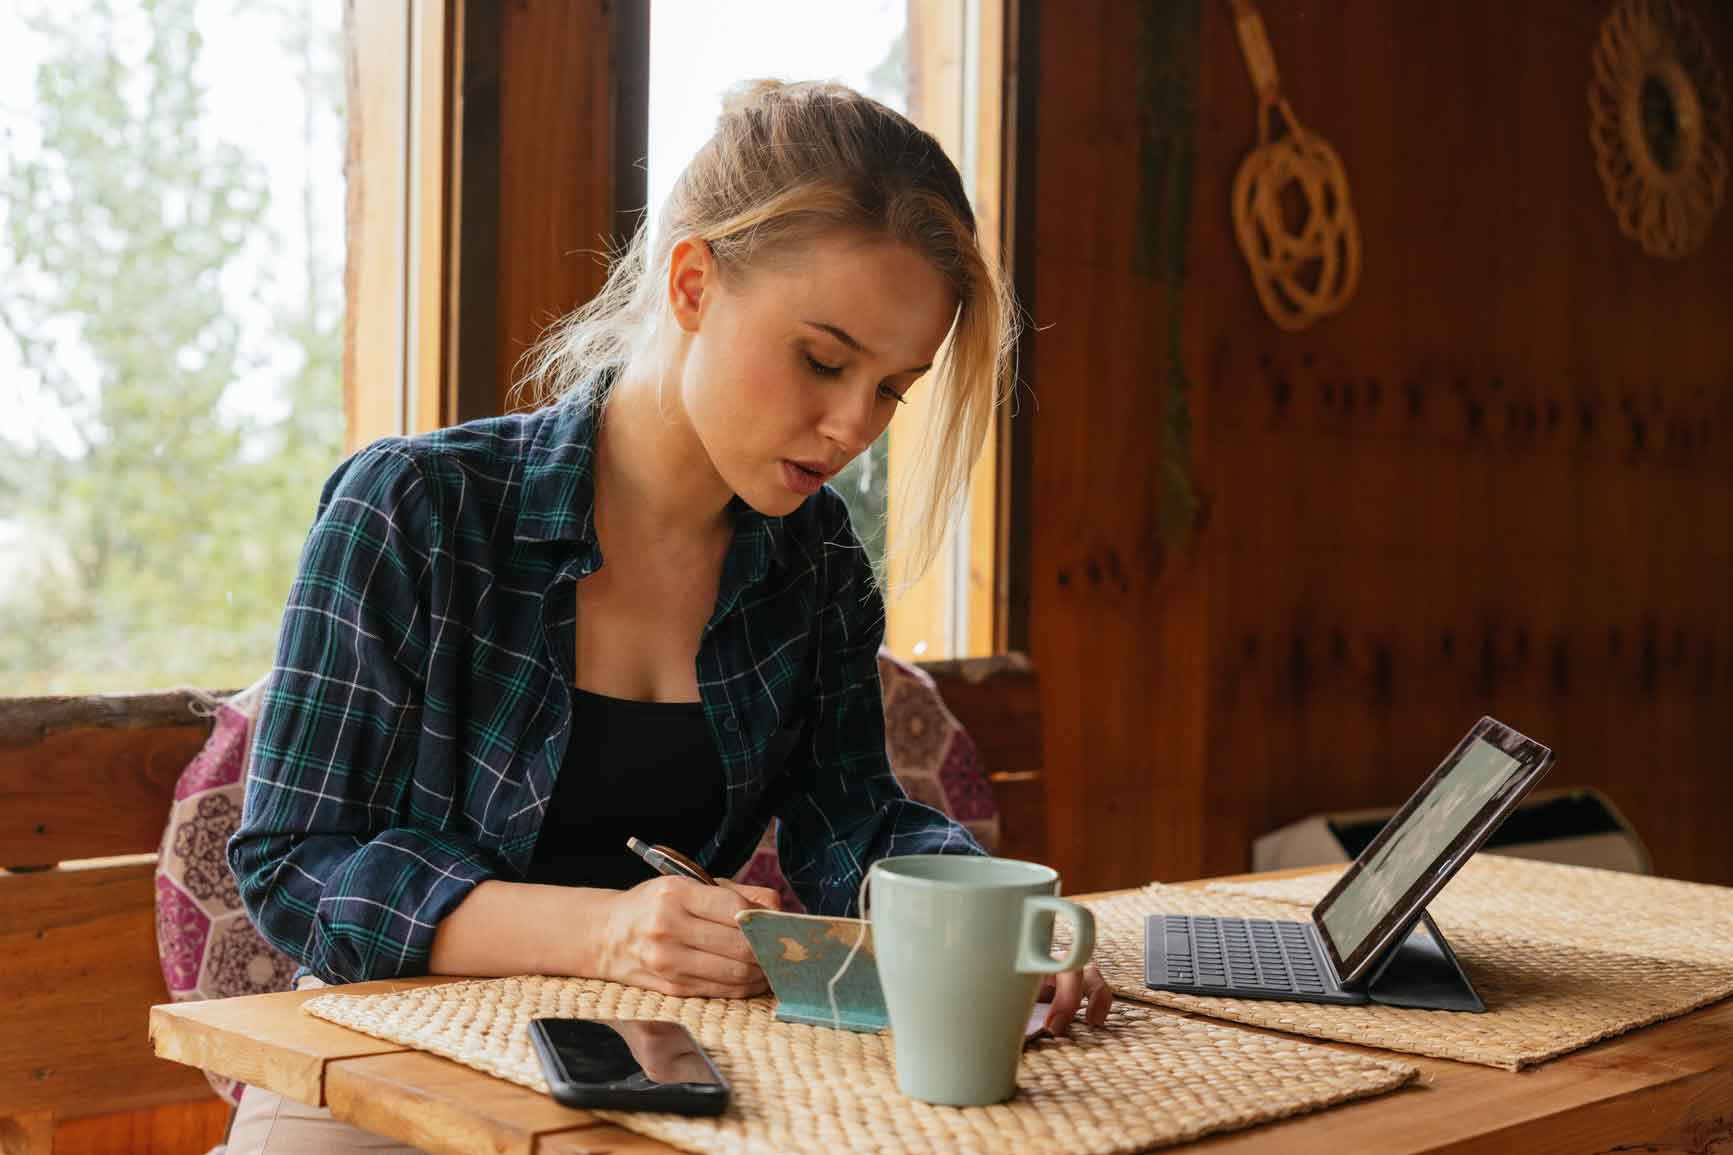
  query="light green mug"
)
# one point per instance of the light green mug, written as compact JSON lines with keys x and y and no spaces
{"x":962,"y":943}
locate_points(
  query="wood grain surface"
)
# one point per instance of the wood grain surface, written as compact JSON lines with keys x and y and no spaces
{"x":1500,"y":481}
{"x":78,"y":977}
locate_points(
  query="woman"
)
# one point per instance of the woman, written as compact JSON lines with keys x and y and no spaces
{"x":636,"y":611}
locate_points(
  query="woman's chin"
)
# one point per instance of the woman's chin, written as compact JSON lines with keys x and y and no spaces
{"x":777,"y":502}
{"x":775,"y":496}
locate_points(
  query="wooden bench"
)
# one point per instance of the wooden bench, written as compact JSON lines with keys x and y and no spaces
{"x":85,"y":789}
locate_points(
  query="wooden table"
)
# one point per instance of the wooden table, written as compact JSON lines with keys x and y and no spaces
{"x":1665,"y":1088}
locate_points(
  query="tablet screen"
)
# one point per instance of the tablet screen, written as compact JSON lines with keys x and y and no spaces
{"x":1417,"y":851}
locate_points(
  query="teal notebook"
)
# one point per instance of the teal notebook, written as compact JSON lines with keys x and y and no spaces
{"x":800,"y":952}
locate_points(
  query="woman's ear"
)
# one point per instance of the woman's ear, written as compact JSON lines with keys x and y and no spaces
{"x":691,"y":277}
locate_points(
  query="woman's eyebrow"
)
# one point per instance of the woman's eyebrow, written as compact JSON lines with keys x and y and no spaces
{"x":843,"y":335}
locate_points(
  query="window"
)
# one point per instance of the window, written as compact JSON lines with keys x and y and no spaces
{"x":936,"y":61}
{"x":171,"y":310}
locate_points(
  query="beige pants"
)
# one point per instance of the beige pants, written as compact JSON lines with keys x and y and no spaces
{"x":268,"y":1122}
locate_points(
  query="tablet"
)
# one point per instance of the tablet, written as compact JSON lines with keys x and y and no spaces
{"x":1428,"y":840}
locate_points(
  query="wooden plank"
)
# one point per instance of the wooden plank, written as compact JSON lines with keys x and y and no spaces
{"x":265,"y":1040}
{"x":442,"y":1106}
{"x":1022,"y":801}
{"x":91,"y":776}
{"x":473,"y":252}
{"x":986,"y":43}
{"x":189,"y":1128}
{"x":1662,"y":1088}
{"x":90,"y":793}
{"x":1015,"y":514}
{"x":1119,"y":621}
{"x":375,"y":280}
{"x":429,"y":277}
{"x":24,"y":721}
{"x":80,"y":969}
{"x":601,"y":1140}
{"x":630,"y":61}
{"x":31,"y":1134}
{"x":556,"y":189}
{"x":998,"y":702}
{"x":1685,"y":1115}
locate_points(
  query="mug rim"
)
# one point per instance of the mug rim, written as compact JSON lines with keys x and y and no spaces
{"x":888,"y":867}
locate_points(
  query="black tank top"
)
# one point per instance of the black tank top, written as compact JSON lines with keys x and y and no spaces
{"x":647,"y":770}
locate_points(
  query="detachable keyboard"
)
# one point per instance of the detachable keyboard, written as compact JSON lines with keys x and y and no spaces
{"x":1243,"y":958}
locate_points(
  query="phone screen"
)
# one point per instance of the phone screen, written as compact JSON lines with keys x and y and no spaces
{"x":617,"y":1059}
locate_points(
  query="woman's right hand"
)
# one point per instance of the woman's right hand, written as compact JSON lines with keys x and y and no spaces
{"x":678,"y":937}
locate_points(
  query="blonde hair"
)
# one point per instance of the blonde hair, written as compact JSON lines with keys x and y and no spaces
{"x":787,"y":163}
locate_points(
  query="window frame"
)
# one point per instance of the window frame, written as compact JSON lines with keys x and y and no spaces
{"x":958,"y":72}
{"x":404,"y":215}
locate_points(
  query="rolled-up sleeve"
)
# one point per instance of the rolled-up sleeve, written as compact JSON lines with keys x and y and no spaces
{"x":842,"y":809}
{"x":335,"y":865}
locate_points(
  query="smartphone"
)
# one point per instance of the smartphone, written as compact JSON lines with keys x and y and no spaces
{"x":628,"y":1065}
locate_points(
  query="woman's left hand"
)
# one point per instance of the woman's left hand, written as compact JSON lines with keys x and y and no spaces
{"x":1069,"y":991}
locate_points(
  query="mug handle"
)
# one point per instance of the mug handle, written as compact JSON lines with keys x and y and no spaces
{"x":1032,"y":956}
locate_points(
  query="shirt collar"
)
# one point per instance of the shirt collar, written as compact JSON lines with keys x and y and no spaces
{"x":558,"y":501}
{"x":559,"y":493}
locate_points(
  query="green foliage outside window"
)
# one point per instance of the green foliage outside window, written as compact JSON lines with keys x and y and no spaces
{"x":150,"y":513}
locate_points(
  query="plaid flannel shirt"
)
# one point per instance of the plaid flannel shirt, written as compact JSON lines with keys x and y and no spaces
{"x":419,"y":708}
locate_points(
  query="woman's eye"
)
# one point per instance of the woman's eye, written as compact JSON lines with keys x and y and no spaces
{"x":820,"y":367}
{"x":889,"y":394}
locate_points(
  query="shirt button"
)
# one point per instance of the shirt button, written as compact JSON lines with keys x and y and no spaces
{"x":731,"y":724}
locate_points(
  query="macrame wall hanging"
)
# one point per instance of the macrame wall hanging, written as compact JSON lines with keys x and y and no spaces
{"x":1658,"y":122}
{"x":1303,"y":249}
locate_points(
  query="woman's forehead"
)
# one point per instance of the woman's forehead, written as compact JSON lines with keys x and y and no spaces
{"x":887,"y":296}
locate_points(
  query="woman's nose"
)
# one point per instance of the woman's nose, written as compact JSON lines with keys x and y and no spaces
{"x":850,"y":420}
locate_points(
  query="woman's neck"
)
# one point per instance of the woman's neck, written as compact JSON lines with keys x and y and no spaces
{"x":652,"y":473}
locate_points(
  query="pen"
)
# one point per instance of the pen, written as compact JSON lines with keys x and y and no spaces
{"x":667,"y":860}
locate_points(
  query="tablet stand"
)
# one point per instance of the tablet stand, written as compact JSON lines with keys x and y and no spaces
{"x":1422,"y":972}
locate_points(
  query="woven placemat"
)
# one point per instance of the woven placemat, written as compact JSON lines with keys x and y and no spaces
{"x":1633,"y":913}
{"x":1145,"y":1080}
{"x":1557,"y":969}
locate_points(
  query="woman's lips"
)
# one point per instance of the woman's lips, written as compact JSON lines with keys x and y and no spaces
{"x":800,"y":478}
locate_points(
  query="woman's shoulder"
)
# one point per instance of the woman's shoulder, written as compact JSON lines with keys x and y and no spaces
{"x":490,"y":450}
{"x":487,"y":444}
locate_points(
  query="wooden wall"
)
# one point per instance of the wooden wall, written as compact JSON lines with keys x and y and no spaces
{"x":556,"y":166}
{"x":1501,"y":481}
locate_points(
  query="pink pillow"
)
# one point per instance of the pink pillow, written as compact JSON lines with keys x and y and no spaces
{"x":931,"y":755}
{"x":207,"y":946}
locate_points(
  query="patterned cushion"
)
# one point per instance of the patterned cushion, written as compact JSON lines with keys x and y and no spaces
{"x":207,"y":946}
{"x":931,"y":755}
